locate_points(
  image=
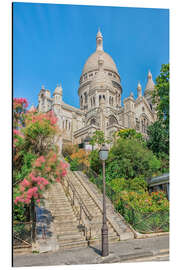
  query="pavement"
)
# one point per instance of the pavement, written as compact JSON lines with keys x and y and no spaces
{"x":150,"y":249}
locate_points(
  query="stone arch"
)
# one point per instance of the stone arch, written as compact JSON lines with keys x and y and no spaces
{"x":112,"y":120}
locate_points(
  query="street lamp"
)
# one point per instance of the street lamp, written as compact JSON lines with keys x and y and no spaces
{"x":103,"y":155}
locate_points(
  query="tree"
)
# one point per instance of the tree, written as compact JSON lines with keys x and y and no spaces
{"x":128,"y":158}
{"x":97,"y":138}
{"x":158,"y":132}
{"x":130,"y":134}
{"x":158,"y":140}
{"x":161,"y":95}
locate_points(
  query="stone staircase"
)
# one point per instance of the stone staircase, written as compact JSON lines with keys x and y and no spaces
{"x":92,"y":197}
{"x":74,"y":215}
{"x":64,"y":226}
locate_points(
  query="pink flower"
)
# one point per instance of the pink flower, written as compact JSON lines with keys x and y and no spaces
{"x":27,"y":201}
{"x":63,"y":173}
{"x":35,"y":189}
{"x":25,"y":183}
{"x":21,"y":188}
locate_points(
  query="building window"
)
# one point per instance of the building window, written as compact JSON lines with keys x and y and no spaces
{"x":94,"y":102}
{"x":112,"y":120}
{"x":109,"y":73}
{"x":137,"y":124}
{"x":93,"y":121}
{"x":85,"y":95}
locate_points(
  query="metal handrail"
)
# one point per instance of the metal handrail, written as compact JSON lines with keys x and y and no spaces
{"x":80,"y":201}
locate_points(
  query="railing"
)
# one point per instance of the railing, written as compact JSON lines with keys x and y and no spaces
{"x":80,"y":209}
{"x":142,"y":222}
{"x":157,"y":221}
{"x":22,"y":234}
{"x":75,"y":195}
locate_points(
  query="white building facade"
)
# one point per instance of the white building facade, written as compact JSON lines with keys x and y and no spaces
{"x":101,"y":107}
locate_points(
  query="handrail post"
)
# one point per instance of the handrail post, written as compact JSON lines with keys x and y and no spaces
{"x":73,"y":198}
{"x":80,"y":217}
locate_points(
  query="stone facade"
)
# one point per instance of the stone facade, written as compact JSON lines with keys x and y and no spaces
{"x":100,"y":94}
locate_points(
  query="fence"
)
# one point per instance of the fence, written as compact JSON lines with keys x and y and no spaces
{"x":22,"y":234}
{"x":157,"y":221}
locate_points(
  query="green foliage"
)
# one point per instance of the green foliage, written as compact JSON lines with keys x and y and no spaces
{"x":158,"y":140}
{"x":161,"y":95}
{"x":129,"y":159}
{"x":25,"y":169}
{"x":130,"y":134}
{"x":95,"y":162}
{"x":98,"y":138}
{"x":158,"y":132}
{"x":74,"y":165}
{"x":69,"y":149}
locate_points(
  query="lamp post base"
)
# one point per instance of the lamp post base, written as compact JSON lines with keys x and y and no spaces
{"x":105,"y":247}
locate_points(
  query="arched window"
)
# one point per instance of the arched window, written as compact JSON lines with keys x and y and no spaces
{"x":109,"y":100}
{"x":94,"y":102}
{"x":85,"y":97}
{"x":112,"y":120}
{"x":81,"y":101}
{"x":144,"y":123}
{"x":92,"y":121}
{"x":66,"y":124}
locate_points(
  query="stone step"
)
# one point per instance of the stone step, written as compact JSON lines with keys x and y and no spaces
{"x":68,"y":234}
{"x":98,"y":241}
{"x":74,"y":244}
{"x":65,"y":218}
{"x":65,"y":223}
{"x":67,"y":231}
{"x":63,"y":211}
{"x":64,"y":239}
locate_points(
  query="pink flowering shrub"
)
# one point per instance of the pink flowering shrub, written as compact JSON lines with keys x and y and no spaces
{"x":35,"y":158}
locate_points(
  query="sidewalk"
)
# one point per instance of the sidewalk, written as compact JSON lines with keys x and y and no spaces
{"x":119,"y":252}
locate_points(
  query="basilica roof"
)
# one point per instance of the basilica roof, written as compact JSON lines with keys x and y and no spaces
{"x":92,"y":62}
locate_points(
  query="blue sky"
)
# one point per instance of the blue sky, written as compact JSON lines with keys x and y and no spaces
{"x":51,"y":43}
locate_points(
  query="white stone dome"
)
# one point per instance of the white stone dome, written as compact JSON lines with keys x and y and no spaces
{"x":92,"y":62}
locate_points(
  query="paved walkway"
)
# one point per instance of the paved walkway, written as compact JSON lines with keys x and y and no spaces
{"x":123,"y":251}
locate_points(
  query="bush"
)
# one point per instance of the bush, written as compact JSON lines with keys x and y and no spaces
{"x":128,"y":159}
{"x":95,"y":162}
{"x":81,"y":156}
{"x":74,"y":165}
{"x":69,"y":149}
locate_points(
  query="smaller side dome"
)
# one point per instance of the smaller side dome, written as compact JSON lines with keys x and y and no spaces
{"x":150,"y":84}
{"x":139,"y":89}
{"x":58,"y":90}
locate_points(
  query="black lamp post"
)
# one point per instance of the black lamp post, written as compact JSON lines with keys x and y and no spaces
{"x":103,"y":155}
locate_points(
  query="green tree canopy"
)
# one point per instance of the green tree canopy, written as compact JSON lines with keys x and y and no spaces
{"x":129,"y":158}
{"x":158,"y":132}
{"x":161,"y":95}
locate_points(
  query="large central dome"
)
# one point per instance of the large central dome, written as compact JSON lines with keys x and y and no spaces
{"x":92,"y":62}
